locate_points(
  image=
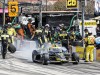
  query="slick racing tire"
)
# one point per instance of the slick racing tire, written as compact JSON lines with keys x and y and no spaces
{"x":45,"y":59}
{"x":75,"y":58}
{"x":34,"y":53}
{"x":11,"y":48}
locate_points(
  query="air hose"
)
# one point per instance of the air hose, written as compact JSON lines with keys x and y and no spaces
{"x":13,"y":20}
{"x":71,"y":23}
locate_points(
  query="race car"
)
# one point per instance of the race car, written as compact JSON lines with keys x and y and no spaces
{"x":47,"y":54}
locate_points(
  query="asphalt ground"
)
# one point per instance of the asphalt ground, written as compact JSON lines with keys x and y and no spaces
{"x":16,"y":64}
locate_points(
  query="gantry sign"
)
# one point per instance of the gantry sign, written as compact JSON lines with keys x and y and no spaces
{"x":13,"y":8}
{"x":71,"y":4}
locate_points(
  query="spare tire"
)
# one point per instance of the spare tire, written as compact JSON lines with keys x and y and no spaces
{"x":11,"y":48}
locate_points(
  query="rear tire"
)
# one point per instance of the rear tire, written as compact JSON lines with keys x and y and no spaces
{"x":75,"y":58}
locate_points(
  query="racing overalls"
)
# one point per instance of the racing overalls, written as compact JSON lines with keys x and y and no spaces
{"x":45,"y":36}
{"x":11,"y":32}
{"x":72,"y":37}
{"x":86,"y":35}
{"x":31,"y":30}
{"x":64,"y":40}
{"x":56,"y":35}
{"x":48,"y":34}
{"x":20,"y":31}
{"x":1,"y":31}
{"x":4,"y":42}
{"x":37,"y":36}
{"x":90,"y":48}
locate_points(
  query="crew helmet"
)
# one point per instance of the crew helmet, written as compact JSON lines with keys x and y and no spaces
{"x":9,"y":24}
{"x":47,"y":25}
{"x":85,"y":29}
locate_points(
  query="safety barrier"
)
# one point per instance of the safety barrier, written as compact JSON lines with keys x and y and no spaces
{"x":98,"y":54}
{"x":80,"y":51}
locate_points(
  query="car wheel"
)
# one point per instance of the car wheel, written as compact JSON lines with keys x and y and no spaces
{"x":45,"y":59}
{"x":34,"y":55}
{"x":75,"y":58}
{"x":11,"y":48}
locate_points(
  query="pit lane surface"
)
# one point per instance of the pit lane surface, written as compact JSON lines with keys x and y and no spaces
{"x":15,"y":64}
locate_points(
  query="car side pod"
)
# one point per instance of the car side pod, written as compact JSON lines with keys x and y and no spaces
{"x":75,"y":58}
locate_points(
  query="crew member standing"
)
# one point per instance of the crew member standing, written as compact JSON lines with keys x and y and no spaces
{"x":64,"y":39}
{"x":46,"y":32}
{"x":19,"y":30}
{"x":4,"y":43}
{"x":72,"y":37}
{"x":11,"y":32}
{"x":86,"y":35}
{"x":30,"y":29}
{"x":90,"y":47}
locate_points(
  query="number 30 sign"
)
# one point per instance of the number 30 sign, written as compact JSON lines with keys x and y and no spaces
{"x":13,"y":8}
{"x":71,"y":3}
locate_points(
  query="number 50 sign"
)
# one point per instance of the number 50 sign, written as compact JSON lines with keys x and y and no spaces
{"x":71,"y":3}
{"x":13,"y":8}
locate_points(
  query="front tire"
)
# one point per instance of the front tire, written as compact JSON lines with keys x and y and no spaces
{"x":34,"y":53}
{"x":33,"y":57}
{"x":45,"y":59}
